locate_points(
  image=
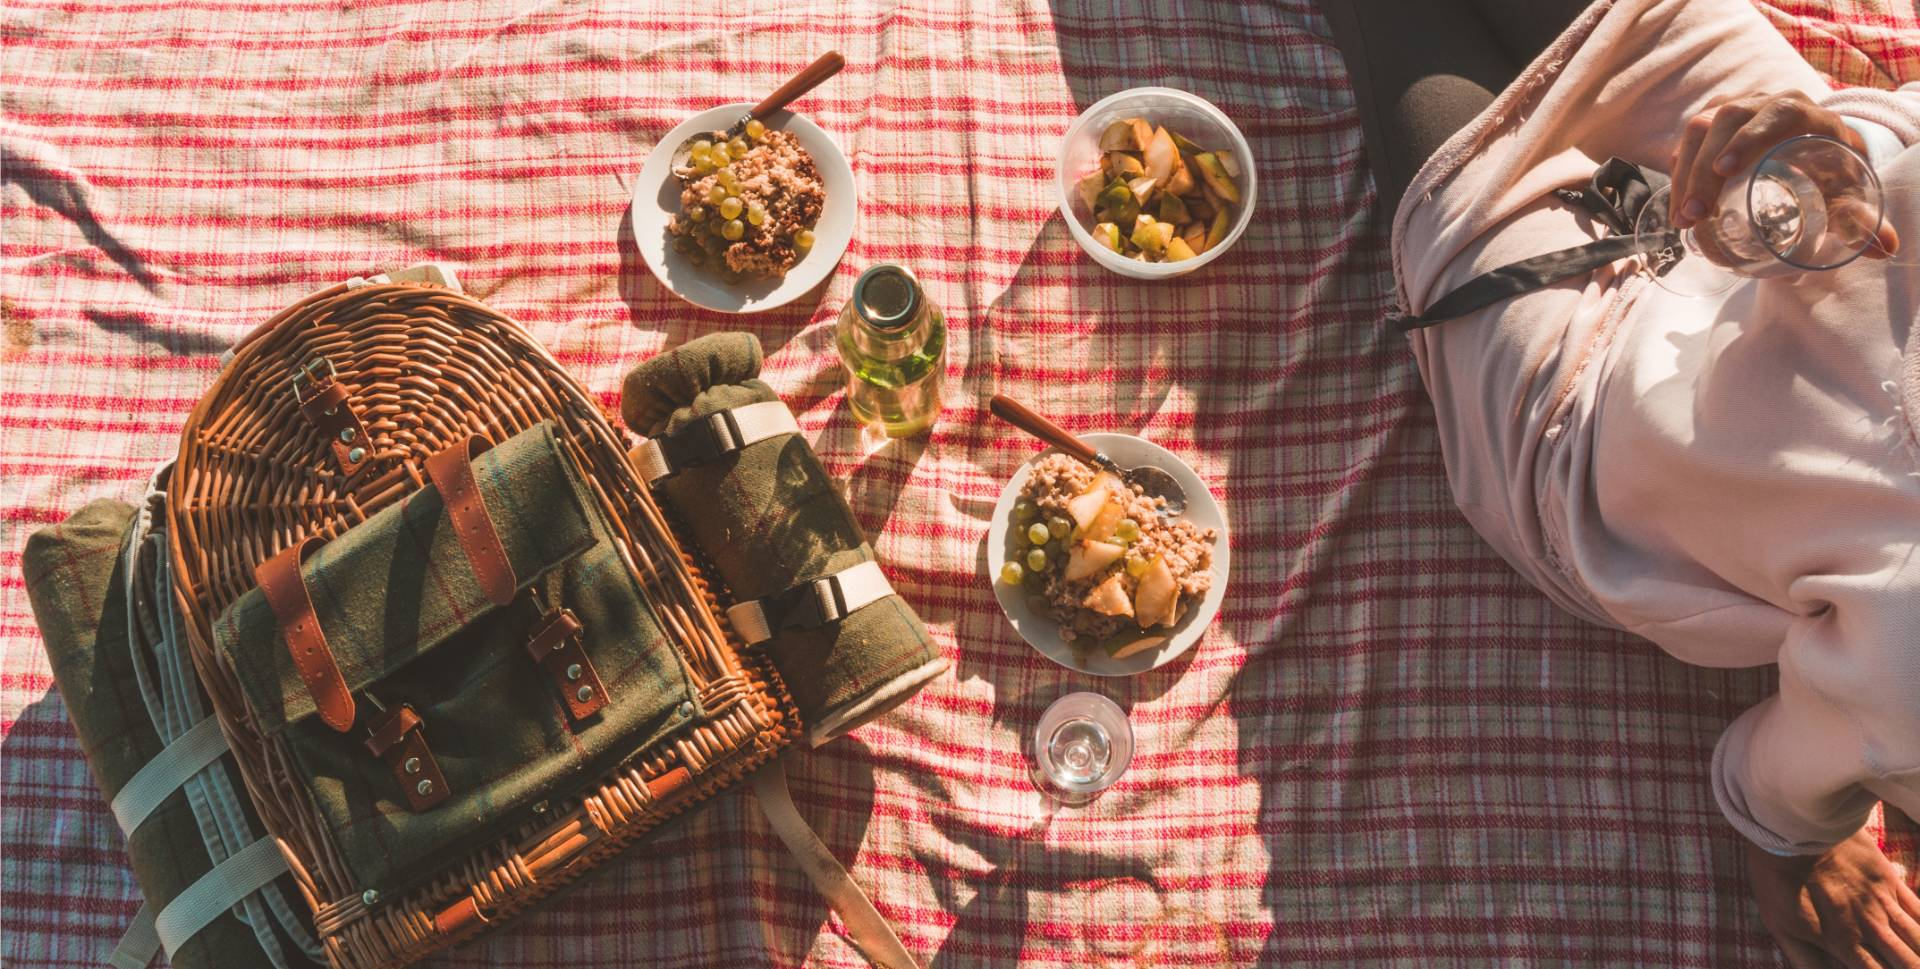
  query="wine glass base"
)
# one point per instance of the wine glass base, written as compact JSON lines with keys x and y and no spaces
{"x":1694,"y":275}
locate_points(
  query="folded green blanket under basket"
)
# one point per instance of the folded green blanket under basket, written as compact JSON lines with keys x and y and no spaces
{"x":768,"y":518}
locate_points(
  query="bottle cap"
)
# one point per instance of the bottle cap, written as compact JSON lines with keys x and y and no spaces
{"x":887,"y":296}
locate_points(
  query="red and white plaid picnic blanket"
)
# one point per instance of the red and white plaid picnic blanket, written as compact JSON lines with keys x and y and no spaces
{"x":1389,"y":750}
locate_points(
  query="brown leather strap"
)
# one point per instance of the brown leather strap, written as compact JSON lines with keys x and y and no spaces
{"x":451,"y":471}
{"x":286,"y":592}
{"x":326,"y":407}
{"x":556,"y":647}
{"x":397,"y":739}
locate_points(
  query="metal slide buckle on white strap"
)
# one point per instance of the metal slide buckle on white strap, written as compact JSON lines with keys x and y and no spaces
{"x":712,"y":437}
{"x":810,"y":604}
{"x":176,"y":764}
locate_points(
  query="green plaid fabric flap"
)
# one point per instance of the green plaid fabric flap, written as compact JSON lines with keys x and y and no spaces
{"x":398,"y":584}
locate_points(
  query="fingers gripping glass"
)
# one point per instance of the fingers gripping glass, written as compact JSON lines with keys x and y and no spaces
{"x":1809,"y":205}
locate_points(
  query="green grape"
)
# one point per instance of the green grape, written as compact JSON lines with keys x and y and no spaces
{"x":1038,"y":534}
{"x":717,"y":194}
{"x":803,"y":238}
{"x":1137,"y":567}
{"x":739,"y":147}
{"x":1128,"y":531}
{"x":1037,"y":560}
{"x":702,"y":147}
{"x":697,"y":213}
{"x":730,"y":207}
{"x":1012,"y":574}
{"x":1025,"y":511}
{"x":728,"y":181}
{"x":756,"y":213}
{"x":1059,"y":526}
{"x":755,"y":129}
{"x":733,"y":230}
{"x":699,"y":155}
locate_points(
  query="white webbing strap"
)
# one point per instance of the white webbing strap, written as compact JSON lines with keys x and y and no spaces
{"x":176,"y":764}
{"x":721,"y":432}
{"x":815,"y":603}
{"x":138,"y":946}
{"x":244,"y":872}
{"x":866,"y":927}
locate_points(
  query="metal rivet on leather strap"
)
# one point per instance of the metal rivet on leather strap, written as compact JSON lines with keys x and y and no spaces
{"x":585,"y":693}
{"x":356,"y":455}
{"x":574,"y":671}
{"x":686,"y":709}
{"x":346,"y":435}
{"x":369,"y":898}
{"x":424,"y":787}
{"x":413,"y":765}
{"x":540,"y":808}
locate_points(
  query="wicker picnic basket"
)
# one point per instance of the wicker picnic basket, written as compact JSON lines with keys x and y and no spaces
{"x":420,"y":368}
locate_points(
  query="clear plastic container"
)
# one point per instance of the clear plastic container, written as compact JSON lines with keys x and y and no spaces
{"x":1196,"y":119}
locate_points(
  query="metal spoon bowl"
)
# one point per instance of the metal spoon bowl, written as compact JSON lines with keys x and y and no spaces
{"x":1152,"y":482}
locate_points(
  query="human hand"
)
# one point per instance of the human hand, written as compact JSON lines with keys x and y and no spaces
{"x":1732,"y":135}
{"x":1847,"y":907}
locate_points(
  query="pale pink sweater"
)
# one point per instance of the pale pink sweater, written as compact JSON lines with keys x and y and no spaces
{"x":1737,"y":478}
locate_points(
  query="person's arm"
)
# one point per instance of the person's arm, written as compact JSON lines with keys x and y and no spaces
{"x":1888,"y":122}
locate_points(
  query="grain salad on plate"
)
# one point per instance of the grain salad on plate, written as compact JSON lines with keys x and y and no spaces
{"x":1101,"y":559}
{"x":749,"y":205}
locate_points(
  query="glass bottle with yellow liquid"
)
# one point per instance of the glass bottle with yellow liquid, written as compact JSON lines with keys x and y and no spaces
{"x":893,"y":340}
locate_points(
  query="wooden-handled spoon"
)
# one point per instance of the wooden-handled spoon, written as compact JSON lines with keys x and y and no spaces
{"x":825,"y":67}
{"x":1152,"y":482}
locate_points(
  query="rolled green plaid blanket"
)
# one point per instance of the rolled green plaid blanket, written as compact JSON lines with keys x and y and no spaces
{"x":768,"y":518}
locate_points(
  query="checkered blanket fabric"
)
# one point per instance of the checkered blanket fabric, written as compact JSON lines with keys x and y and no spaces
{"x":1387,"y":751}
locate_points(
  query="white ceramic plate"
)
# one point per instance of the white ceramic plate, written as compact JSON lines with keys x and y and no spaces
{"x":656,"y":199}
{"x":1043,"y":633}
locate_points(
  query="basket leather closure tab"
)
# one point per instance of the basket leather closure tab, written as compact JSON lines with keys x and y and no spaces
{"x":556,"y":648}
{"x":396,"y":738}
{"x":286,"y":593}
{"x":324,"y":402}
{"x":451,"y":471}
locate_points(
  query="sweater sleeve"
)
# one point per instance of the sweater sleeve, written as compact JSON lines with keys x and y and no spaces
{"x":1883,"y":118}
{"x":1799,"y":772}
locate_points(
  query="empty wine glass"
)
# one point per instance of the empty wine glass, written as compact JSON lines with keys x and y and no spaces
{"x":1082,"y":744}
{"x":1809,"y":205}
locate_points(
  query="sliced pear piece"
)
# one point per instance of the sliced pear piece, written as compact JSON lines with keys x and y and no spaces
{"x":1090,"y":186}
{"x":1177,"y":249}
{"x":1123,"y":164}
{"x":1088,"y":558}
{"x":1200,"y":208}
{"x":1117,"y":205}
{"x":1181,"y":181}
{"x":1195,"y":236}
{"x":1218,"y":230}
{"x":1083,"y":509}
{"x":1229,"y":162}
{"x":1107,"y":234}
{"x":1105,"y":479}
{"x":1142,"y":133}
{"x":1216,"y":176}
{"x":1141,"y":188}
{"x":1161,"y":157}
{"x":1110,"y":598}
{"x":1184,"y":145}
{"x":1172,"y":209}
{"x":1104,"y":524}
{"x":1152,"y":237}
{"x":1120,"y":647}
{"x":1154,"y":598}
{"x":1123,"y":135}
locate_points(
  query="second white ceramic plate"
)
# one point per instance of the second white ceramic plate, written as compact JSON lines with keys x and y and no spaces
{"x":1043,"y":633}
{"x":656,"y":199}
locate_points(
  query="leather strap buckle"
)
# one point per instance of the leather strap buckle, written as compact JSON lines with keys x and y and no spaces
{"x":556,"y":648}
{"x":396,"y":737}
{"x":712,"y":437}
{"x":325,"y":405}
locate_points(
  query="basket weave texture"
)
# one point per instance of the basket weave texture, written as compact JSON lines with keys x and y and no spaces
{"x":426,"y":367}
